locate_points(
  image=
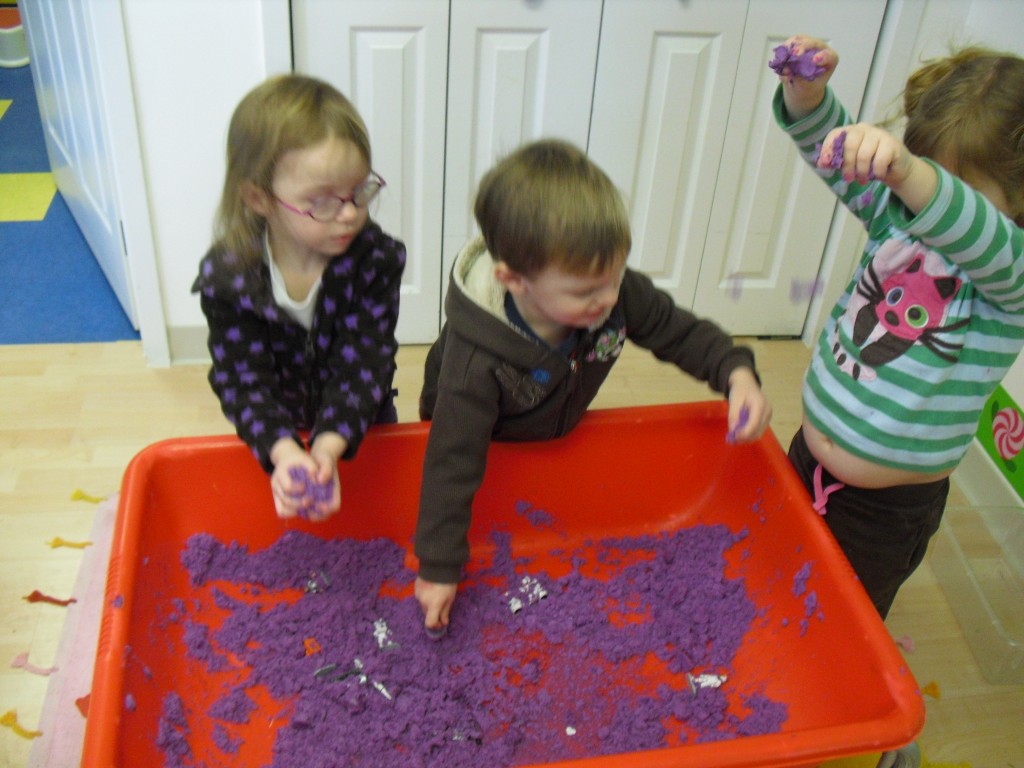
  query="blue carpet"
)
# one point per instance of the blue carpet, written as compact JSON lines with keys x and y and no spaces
{"x":53,"y":288}
{"x":22,"y":148}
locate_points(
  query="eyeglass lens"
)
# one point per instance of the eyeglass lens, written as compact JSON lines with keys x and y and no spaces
{"x":328,"y":208}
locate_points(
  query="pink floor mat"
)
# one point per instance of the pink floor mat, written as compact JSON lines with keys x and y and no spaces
{"x":61,"y":722}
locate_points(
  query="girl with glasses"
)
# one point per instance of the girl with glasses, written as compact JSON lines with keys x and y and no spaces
{"x":300,"y":290}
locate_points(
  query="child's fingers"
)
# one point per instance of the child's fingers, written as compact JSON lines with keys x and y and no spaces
{"x":281,"y":487}
{"x":885,"y":160}
{"x":285,"y":506}
{"x":845,"y":149}
{"x":758,"y":425}
{"x":436,"y":615}
{"x":324,"y":469}
{"x":869,"y":153}
{"x":874,"y":163}
{"x":754,"y":418}
{"x":801,"y":43}
{"x":737,"y":423}
{"x":872,"y":159}
{"x":436,"y":601}
{"x":326,"y":509}
{"x":444,"y":609}
{"x":833,"y":149}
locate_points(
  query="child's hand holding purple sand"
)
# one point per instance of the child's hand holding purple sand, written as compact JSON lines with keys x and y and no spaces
{"x":835,"y":162}
{"x":730,"y":436}
{"x":800,"y":65}
{"x":312,"y":493}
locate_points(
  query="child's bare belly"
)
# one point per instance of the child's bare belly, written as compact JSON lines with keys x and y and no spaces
{"x":853,"y":470}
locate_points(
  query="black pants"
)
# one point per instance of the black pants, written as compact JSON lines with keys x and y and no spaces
{"x":884,"y":532}
{"x":387,"y":413}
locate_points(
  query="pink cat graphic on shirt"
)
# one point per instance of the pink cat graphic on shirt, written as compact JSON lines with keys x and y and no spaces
{"x":899,"y":302}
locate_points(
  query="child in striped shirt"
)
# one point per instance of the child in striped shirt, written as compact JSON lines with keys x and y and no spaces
{"x":933,"y":316}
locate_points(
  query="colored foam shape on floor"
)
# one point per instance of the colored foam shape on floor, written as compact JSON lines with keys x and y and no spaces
{"x":26,"y":196}
{"x":621,"y":472}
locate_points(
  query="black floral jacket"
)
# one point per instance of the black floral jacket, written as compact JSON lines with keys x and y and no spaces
{"x":274,"y":379}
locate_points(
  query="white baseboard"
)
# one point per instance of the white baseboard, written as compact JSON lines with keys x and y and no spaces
{"x":188,"y":344}
{"x":981,"y":481}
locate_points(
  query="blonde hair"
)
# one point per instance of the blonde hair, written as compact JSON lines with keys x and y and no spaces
{"x":547,"y":202}
{"x":284,"y":113}
{"x":969,"y":108}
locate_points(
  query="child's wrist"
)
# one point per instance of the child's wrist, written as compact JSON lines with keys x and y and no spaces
{"x":799,"y":107}
{"x":283,"y":448}
{"x":742,"y":376}
{"x":918,"y":186}
{"x":329,"y":444}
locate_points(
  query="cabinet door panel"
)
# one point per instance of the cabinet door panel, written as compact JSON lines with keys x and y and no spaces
{"x":771,"y":216}
{"x":390,"y":58}
{"x":661,"y":103}
{"x":517,"y":71}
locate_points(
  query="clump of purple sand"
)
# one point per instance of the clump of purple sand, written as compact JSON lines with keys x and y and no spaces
{"x":800,"y":64}
{"x":173,"y":732}
{"x":838,"y":144}
{"x":547,"y":668}
{"x":315,"y":493}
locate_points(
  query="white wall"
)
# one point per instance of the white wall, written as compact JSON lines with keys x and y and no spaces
{"x":191,"y":62}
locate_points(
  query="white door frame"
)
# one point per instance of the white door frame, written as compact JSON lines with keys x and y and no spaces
{"x":118,"y":111}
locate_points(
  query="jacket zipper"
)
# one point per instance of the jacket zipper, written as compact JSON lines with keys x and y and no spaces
{"x":573,"y":385}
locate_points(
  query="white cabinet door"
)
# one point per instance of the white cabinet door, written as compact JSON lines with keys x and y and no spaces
{"x":440,"y":114}
{"x":725,"y":217}
{"x":770,"y":216}
{"x":664,"y":84}
{"x":518,"y":70}
{"x":672,"y":99}
{"x":390,"y":58}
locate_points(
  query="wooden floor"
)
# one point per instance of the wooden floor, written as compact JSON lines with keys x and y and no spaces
{"x":72,"y":416}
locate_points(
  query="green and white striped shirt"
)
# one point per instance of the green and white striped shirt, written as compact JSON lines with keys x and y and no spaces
{"x":930,"y":323}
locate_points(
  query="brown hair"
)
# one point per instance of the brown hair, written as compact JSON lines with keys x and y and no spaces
{"x":969,"y":107}
{"x":547,"y":202}
{"x":284,"y":113}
